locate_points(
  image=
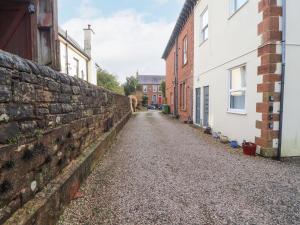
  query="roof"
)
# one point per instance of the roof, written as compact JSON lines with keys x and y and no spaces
{"x":181,"y":21}
{"x":71,"y":41}
{"x":150,"y":79}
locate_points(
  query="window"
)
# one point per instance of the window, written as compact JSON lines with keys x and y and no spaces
{"x":235,"y":5}
{"x":159,"y":88}
{"x":145,"y":88}
{"x":237,"y":92}
{"x":182,"y":96}
{"x":185,"y":50}
{"x":76,"y":65}
{"x":204,"y":26}
{"x":154,"y":88}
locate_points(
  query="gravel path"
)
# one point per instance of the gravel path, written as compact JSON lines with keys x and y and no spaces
{"x":161,"y":171}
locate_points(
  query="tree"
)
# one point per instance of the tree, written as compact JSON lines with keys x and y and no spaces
{"x":131,"y":85}
{"x":108,"y":81}
{"x":145,"y":100}
{"x":163,"y":88}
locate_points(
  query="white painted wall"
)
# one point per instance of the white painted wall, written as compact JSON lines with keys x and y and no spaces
{"x":232,"y":41}
{"x":72,"y":55}
{"x":291,"y":115}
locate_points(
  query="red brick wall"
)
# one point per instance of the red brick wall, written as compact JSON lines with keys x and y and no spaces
{"x":150,"y":93}
{"x":269,"y":53}
{"x":170,"y":78}
{"x":185,"y":72}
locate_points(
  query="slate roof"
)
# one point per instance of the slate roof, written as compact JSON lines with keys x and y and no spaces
{"x":185,"y":13}
{"x":71,"y":41}
{"x":150,"y":79}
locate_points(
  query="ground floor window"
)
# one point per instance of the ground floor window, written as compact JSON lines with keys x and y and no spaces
{"x":182,"y":96}
{"x":237,"y":91}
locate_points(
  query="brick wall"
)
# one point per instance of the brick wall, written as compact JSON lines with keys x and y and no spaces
{"x":170,"y":78}
{"x":185,"y":72}
{"x":47,"y":119}
{"x":269,"y":72}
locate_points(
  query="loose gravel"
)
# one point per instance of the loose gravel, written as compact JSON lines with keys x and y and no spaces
{"x":161,"y":171}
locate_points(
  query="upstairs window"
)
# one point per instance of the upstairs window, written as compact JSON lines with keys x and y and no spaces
{"x":145,"y":89}
{"x":185,"y":50}
{"x":76,"y":67}
{"x":204,"y":26}
{"x":154,"y":88}
{"x":237,"y":91}
{"x":235,"y":5}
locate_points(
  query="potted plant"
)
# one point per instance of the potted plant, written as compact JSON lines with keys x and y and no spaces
{"x":249,"y":148}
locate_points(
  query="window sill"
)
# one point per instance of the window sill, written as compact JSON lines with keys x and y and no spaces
{"x":238,"y":112}
{"x":203,"y":42}
{"x":232,"y":15}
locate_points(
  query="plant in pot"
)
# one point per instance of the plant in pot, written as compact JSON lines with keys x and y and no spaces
{"x":249,"y":148}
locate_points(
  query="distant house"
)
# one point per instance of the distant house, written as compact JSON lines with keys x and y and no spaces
{"x":150,"y":86}
{"x":75,"y":60}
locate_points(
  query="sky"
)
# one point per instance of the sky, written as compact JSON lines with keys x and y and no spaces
{"x":130,"y":35}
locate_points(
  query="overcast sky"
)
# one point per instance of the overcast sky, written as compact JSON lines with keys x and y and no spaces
{"x":130,"y":35}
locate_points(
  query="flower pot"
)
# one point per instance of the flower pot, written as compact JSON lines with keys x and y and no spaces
{"x":234,"y":144}
{"x":249,"y":148}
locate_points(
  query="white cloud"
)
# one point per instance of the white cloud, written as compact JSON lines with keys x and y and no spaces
{"x":124,"y":42}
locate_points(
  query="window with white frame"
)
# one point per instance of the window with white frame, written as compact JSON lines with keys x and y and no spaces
{"x":154,"y":88}
{"x":145,"y":88}
{"x":204,"y":26}
{"x":185,"y":50}
{"x":235,"y":5}
{"x":237,"y":91}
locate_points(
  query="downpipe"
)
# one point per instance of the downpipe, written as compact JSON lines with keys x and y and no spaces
{"x":283,"y":71}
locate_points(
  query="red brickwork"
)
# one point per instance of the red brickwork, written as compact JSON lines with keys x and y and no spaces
{"x":270,"y":72}
{"x":185,"y":71}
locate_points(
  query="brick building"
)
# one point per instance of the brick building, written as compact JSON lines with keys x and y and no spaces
{"x":179,"y":56}
{"x":150,"y":87}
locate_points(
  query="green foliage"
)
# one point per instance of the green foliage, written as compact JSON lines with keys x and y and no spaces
{"x":163,"y":88}
{"x":131,"y":85}
{"x":14,"y":140}
{"x":145,"y":100}
{"x":109,"y":81}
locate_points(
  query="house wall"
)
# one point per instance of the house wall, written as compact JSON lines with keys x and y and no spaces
{"x":291,"y":108}
{"x":232,"y":41}
{"x":73,"y":53}
{"x":185,"y":71}
{"x":170,"y":78}
{"x":150,"y":93}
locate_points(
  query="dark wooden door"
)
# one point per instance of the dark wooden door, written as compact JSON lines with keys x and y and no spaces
{"x":15,"y":28}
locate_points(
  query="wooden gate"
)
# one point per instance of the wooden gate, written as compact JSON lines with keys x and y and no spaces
{"x":29,"y":28}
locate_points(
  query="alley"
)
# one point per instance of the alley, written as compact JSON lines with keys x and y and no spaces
{"x":161,"y":171}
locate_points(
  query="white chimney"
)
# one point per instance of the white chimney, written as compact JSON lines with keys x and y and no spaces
{"x":88,"y":40}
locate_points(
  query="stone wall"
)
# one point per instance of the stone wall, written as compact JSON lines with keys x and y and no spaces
{"x":47,"y":119}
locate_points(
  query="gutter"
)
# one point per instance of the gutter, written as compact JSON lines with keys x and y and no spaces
{"x":283,"y":71}
{"x":176,"y":80}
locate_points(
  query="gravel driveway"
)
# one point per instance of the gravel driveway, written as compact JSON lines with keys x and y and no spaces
{"x":161,"y":171}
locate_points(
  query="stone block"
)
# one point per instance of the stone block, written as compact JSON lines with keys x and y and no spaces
{"x":5,"y":93}
{"x":45,"y":96}
{"x":53,"y":86}
{"x":9,"y":132}
{"x":5,"y":76}
{"x":20,"y":112}
{"x":29,"y":78}
{"x":66,"y":108}
{"x":23,"y":92}
{"x":67,"y":89}
{"x":55,"y":108}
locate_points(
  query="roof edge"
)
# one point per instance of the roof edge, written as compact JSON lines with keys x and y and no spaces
{"x":185,"y":13}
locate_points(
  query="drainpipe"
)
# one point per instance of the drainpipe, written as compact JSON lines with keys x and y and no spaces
{"x":67,"y":54}
{"x":283,"y":65}
{"x":176,"y":80}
